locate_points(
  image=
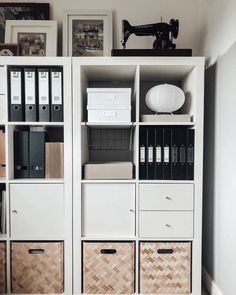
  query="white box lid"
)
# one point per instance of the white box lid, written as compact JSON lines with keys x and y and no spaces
{"x":108,"y":90}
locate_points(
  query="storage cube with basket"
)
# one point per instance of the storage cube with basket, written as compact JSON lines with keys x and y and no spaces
{"x":2,"y":268}
{"x":108,"y":268}
{"x":37,"y":267}
{"x":165,"y":267}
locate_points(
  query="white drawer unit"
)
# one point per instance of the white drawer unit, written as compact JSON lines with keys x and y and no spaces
{"x":109,"y":96}
{"x":166,"y":224}
{"x":166,"y":197}
{"x":37,"y":210}
{"x":108,"y":210}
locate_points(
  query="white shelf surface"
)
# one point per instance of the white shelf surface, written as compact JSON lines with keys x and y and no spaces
{"x":108,"y":181}
{"x":36,"y":124}
{"x":109,"y":125}
{"x":110,"y":238}
{"x":166,"y":123}
{"x":36,"y":180}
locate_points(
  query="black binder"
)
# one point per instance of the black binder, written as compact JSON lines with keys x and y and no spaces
{"x":175,"y":134}
{"x":142,"y":153}
{"x":15,"y":95}
{"x":167,"y":156}
{"x":37,"y":154}
{"x":183,"y":154}
{"x":151,"y":153}
{"x":21,"y":154}
{"x":56,"y":77}
{"x":30,"y":94}
{"x":44,"y":94}
{"x":159,"y":152}
{"x":190,"y":154}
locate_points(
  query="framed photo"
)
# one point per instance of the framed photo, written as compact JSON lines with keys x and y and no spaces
{"x":8,"y":50}
{"x":34,"y":38}
{"x":22,"y":11}
{"x":87,"y":33}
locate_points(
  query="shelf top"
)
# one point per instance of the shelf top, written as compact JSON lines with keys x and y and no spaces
{"x":36,"y":180}
{"x":35,"y":123}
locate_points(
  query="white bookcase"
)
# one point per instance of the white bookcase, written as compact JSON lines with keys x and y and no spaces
{"x":90,"y":196}
{"x":43,"y":202}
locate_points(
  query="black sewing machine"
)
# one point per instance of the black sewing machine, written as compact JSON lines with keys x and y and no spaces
{"x":163,"y":32}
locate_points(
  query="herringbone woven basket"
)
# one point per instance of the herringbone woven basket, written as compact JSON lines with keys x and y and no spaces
{"x":37,"y":267}
{"x":2,"y":268}
{"x":165,"y":273}
{"x":108,"y":273}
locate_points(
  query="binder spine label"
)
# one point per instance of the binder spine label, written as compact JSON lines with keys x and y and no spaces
{"x":166,"y":154}
{"x":15,"y":87}
{"x":30,"y":88}
{"x":190,"y":155}
{"x":174,"y":154}
{"x":150,"y":154}
{"x":56,"y":85}
{"x":158,"y":154}
{"x":43,"y":88}
{"x":142,"y":154}
{"x":182,"y":155}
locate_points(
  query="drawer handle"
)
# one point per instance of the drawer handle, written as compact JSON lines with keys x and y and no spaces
{"x":14,"y":211}
{"x":35,"y":251}
{"x":168,"y":225}
{"x":108,"y":251}
{"x":165,"y":251}
{"x":168,"y":198}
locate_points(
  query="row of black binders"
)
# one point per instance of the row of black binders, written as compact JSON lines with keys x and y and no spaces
{"x":166,"y":153}
{"x":36,"y":94}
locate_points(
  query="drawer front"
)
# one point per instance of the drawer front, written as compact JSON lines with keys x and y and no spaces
{"x":37,"y":268}
{"x":109,"y":116}
{"x":37,"y":210}
{"x":166,"y":197}
{"x":108,"y":210}
{"x":106,"y":99}
{"x":2,"y":267}
{"x":157,"y":224}
{"x":108,"y":268}
{"x":165,"y":268}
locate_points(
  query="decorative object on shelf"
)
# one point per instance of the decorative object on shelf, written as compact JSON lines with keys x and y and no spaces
{"x":165,"y":98}
{"x":8,"y":49}
{"x":163,"y":32}
{"x":22,"y":11}
{"x":34,"y":38}
{"x":87,"y":33}
{"x":109,"y":105}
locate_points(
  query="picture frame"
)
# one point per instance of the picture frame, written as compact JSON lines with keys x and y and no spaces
{"x":34,"y":38}
{"x":8,"y":49}
{"x":22,"y":11}
{"x":87,"y":33}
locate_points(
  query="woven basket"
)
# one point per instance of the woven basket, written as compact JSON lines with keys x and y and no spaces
{"x":2,"y":268}
{"x":108,"y":268}
{"x":37,"y":267}
{"x":165,"y":268}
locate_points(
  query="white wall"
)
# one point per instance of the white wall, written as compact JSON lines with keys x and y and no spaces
{"x":219,"y":238}
{"x":141,"y":12}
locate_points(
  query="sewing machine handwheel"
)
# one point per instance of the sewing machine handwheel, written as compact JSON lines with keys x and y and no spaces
{"x":174,"y":23}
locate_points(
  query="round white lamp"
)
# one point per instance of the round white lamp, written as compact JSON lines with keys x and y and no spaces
{"x":165,"y":98}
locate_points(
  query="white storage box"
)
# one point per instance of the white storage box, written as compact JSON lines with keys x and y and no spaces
{"x":109,"y":105}
{"x":111,"y":170}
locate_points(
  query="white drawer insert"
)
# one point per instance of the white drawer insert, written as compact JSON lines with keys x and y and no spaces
{"x":166,"y":197}
{"x":165,"y":224}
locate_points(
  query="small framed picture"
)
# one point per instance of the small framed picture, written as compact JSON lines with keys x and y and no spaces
{"x":87,"y":33}
{"x":9,"y":50}
{"x":34,"y":38}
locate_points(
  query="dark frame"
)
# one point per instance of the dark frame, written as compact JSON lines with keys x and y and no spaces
{"x":22,"y":11}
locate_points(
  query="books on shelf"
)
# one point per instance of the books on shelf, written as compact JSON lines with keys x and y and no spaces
{"x":166,"y":153}
{"x":3,"y":212}
{"x":35,"y":94}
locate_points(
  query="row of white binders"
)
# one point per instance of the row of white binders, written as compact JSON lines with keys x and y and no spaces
{"x":35,"y":94}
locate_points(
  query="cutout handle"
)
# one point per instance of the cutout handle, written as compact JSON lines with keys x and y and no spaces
{"x":108,"y":251}
{"x":165,"y":251}
{"x":36,"y":251}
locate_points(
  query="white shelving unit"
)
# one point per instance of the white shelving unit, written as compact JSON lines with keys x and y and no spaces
{"x":139,"y":74}
{"x":63,"y":231}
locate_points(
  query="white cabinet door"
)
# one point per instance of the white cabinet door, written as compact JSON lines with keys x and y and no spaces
{"x":37,"y":210}
{"x":164,"y":224}
{"x":108,"y":210}
{"x":166,"y":197}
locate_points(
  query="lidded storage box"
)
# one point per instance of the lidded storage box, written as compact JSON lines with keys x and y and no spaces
{"x":37,"y":267}
{"x":165,"y":268}
{"x":109,"y":105}
{"x":2,"y":268}
{"x":108,"y":268}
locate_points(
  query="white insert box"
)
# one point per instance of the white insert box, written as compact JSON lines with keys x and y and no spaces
{"x":109,"y":105}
